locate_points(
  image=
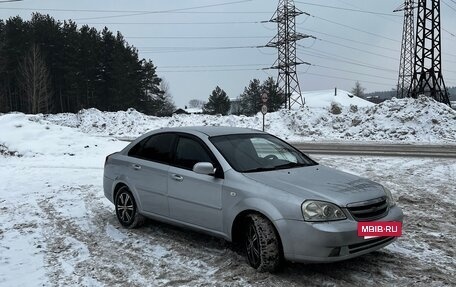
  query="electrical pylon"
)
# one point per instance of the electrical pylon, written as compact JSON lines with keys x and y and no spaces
{"x":427,"y":75}
{"x":407,"y":50}
{"x":287,"y":61}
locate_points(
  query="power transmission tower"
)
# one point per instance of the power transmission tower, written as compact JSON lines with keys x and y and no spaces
{"x":427,"y":75}
{"x":287,"y":61}
{"x":407,"y":50}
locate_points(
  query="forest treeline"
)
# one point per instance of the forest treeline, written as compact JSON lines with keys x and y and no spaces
{"x":48,"y":66}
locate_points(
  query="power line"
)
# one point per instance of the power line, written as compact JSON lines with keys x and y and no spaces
{"x":165,"y":11}
{"x":170,"y":23}
{"x":448,"y":32}
{"x":451,"y":7}
{"x":352,"y":72}
{"x":352,"y":40}
{"x":190,"y":49}
{"x":354,"y":28}
{"x":197,"y":37}
{"x":212,"y":66}
{"x":348,"y":9}
{"x":159,"y":68}
{"x":380,"y":16}
{"x":348,"y":79}
{"x":356,"y":49}
{"x":131,"y":11}
{"x":199,"y":71}
{"x":327,"y":55}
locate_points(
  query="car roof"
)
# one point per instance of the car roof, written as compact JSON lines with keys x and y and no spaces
{"x":212,"y":130}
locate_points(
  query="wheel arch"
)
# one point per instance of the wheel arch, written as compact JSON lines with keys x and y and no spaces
{"x":117,"y":187}
{"x":240,"y":223}
{"x":252,"y":205}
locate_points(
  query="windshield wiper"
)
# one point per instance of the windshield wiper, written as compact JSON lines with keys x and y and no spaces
{"x":290,"y":165}
{"x":258,"y":169}
{"x":277,"y":167}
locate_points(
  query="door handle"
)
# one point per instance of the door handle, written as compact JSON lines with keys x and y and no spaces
{"x":177,"y":177}
{"x":136,"y":166}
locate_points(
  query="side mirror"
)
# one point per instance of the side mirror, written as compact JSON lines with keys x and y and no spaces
{"x":204,"y":168}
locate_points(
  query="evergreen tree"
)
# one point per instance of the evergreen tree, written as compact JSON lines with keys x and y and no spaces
{"x":250,"y":100}
{"x":151,"y":96}
{"x":15,"y":46}
{"x":88,"y":64}
{"x":276,"y":100}
{"x":358,"y":90}
{"x":85,"y":68}
{"x":218,"y":103}
{"x":4,"y":103}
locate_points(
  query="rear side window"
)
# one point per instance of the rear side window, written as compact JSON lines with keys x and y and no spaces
{"x":189,"y":152}
{"x":154,"y":148}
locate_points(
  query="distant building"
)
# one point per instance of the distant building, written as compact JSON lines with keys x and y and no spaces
{"x":188,"y":111}
{"x":180,"y":111}
{"x":194,"y":111}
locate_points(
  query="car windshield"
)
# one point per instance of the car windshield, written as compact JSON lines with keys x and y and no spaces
{"x":259,"y":152}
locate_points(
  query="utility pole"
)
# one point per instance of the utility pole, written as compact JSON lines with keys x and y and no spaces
{"x":287,"y":61}
{"x":407,"y":50}
{"x":427,"y":75}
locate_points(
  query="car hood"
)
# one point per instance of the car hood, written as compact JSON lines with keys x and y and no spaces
{"x":320,"y":183}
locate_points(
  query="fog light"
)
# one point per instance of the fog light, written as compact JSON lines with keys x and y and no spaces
{"x":335,"y":252}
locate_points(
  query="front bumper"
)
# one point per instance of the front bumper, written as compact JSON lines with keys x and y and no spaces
{"x":329,"y":241}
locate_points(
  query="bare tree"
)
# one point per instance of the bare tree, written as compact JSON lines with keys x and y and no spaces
{"x":195,"y":103}
{"x":35,"y":79}
{"x":167,"y":106}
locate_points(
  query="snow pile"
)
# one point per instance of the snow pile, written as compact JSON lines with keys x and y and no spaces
{"x":30,"y":136}
{"x":322,"y":99}
{"x":398,"y":120}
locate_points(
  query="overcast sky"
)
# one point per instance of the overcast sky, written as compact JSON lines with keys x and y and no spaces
{"x":199,"y":44}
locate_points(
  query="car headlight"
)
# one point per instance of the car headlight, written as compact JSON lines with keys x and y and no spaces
{"x":389,"y":197}
{"x":314,"y":210}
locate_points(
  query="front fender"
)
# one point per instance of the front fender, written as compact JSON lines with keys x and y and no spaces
{"x":251,"y":204}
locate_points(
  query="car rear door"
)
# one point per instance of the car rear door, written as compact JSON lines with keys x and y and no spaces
{"x":148,"y":172}
{"x":194,"y":198}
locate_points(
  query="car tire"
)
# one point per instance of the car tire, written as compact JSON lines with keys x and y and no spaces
{"x":126,"y":209}
{"x":262,"y":244}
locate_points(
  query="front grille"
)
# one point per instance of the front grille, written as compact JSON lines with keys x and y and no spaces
{"x":369,"y":210}
{"x":358,"y":247}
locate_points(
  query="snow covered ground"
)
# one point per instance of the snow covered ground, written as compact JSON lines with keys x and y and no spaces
{"x":422,"y":121}
{"x":57,"y":229}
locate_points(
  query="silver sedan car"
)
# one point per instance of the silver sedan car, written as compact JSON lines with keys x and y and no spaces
{"x":248,"y":187}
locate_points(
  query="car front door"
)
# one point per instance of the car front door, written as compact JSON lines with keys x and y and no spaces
{"x":148,"y":172}
{"x":194,"y":198}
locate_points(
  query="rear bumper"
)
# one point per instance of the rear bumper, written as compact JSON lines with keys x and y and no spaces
{"x":329,"y":241}
{"x":107,"y":187}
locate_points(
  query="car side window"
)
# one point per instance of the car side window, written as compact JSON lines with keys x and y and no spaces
{"x":189,"y":152}
{"x":154,"y":148}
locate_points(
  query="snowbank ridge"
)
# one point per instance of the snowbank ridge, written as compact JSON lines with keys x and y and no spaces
{"x":421,"y":120}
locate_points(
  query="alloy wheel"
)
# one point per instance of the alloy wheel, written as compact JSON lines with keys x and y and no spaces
{"x":253,"y":246}
{"x":125,"y":208}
